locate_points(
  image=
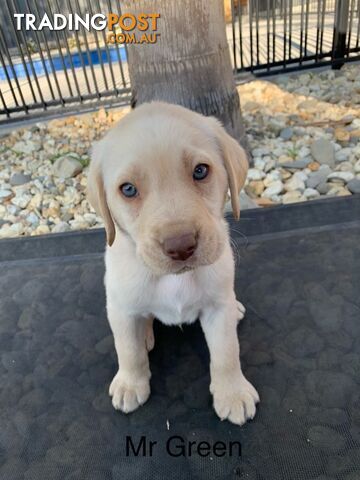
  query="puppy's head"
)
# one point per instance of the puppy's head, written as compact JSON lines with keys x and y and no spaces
{"x":161,"y":177}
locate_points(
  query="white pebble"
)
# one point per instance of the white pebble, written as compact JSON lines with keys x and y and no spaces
{"x":357,"y":167}
{"x":61,"y":227}
{"x":254,"y":174}
{"x":293,"y":197}
{"x":14,"y":230}
{"x":5,"y":194}
{"x":21,"y":201}
{"x":301,"y":176}
{"x":342,"y":176}
{"x":272,"y":177}
{"x":274,"y":189}
{"x":259,"y":163}
{"x":311,"y":193}
{"x":294,"y":184}
{"x":32,"y":218}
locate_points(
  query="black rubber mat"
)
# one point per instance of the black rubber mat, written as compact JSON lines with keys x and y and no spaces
{"x":300,"y":346}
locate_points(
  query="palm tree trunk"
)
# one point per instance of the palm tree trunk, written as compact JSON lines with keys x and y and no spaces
{"x":190,"y":62}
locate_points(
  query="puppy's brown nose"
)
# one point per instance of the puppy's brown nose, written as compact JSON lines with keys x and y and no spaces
{"x":181,"y":247}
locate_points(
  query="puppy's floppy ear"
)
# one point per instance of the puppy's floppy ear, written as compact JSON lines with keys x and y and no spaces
{"x":97,"y":195}
{"x":235,"y":162}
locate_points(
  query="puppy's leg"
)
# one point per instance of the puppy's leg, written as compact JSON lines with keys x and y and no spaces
{"x":149,"y":337}
{"x":130,"y":387}
{"x":234,"y":397}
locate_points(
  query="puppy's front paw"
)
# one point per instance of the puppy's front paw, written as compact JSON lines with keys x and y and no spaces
{"x":235,"y":402}
{"x":127,"y":396}
{"x":241,"y":310}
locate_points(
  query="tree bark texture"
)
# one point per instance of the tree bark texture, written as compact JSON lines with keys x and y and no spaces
{"x":190,"y":63}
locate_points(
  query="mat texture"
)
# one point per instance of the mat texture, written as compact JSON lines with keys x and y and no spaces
{"x":300,"y":346}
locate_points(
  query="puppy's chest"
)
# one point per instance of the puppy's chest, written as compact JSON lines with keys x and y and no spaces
{"x":177,"y":299}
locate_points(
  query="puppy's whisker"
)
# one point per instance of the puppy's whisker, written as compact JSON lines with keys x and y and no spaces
{"x":235,"y":230}
{"x":236,"y":251}
{"x":244,"y":219}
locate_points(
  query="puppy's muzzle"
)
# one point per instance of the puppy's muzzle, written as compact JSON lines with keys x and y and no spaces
{"x":180,"y":247}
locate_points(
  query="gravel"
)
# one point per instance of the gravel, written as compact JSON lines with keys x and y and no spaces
{"x":43,"y":175}
{"x":286,"y":133}
{"x":275,"y":188}
{"x":19,"y":179}
{"x":322,"y":151}
{"x":296,"y":164}
{"x":295,"y":183}
{"x":354,"y":185}
{"x":298,"y":123}
{"x":343,"y":177}
{"x":308,"y":123}
{"x":316,"y":178}
{"x":67,"y":166}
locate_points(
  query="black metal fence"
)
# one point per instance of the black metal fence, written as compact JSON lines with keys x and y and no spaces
{"x":41,"y":70}
{"x":274,"y":36}
{"x":279,"y":7}
{"x":44,"y":71}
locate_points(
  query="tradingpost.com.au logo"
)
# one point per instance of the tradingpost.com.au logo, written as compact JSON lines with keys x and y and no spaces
{"x":121,"y":27}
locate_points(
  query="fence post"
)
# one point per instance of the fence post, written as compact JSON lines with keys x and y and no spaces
{"x":340,"y":30}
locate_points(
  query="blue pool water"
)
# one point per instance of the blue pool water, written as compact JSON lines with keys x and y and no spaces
{"x":41,"y":67}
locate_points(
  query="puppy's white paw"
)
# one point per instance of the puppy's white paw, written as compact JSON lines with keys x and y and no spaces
{"x":235,"y":402}
{"x":241,"y":310}
{"x":128,"y":396}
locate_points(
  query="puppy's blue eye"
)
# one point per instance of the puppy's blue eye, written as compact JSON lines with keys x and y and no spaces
{"x":128,"y":190}
{"x":200,"y":171}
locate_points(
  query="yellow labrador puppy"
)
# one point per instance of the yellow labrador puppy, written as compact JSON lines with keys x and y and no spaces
{"x":159,"y":179}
